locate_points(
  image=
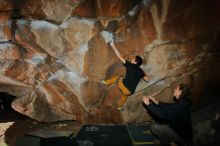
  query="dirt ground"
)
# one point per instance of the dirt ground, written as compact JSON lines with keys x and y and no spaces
{"x":13,"y":125}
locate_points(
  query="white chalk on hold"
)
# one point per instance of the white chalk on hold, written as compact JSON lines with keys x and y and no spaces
{"x":107,"y":36}
{"x":133,"y":11}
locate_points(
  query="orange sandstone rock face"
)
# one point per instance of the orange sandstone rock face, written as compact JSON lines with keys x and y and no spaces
{"x":109,"y":8}
{"x":189,"y":19}
{"x":53,"y":54}
{"x":52,"y":10}
{"x":6,"y":5}
{"x":6,"y":33}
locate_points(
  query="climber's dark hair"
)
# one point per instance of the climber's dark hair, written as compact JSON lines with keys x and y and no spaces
{"x":139,"y":61}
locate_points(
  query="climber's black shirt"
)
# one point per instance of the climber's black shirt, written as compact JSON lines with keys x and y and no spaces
{"x":133,"y":75}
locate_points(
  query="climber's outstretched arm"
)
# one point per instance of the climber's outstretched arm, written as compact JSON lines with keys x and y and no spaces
{"x":118,"y":54}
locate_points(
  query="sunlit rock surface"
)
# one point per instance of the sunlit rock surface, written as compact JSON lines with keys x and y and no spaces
{"x":53,"y":54}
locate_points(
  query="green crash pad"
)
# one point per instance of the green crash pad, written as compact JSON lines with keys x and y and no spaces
{"x":141,"y":135}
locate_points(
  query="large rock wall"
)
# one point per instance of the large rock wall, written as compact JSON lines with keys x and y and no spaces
{"x":53,"y":54}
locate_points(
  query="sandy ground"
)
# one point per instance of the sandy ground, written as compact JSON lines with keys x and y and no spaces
{"x":13,"y":125}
